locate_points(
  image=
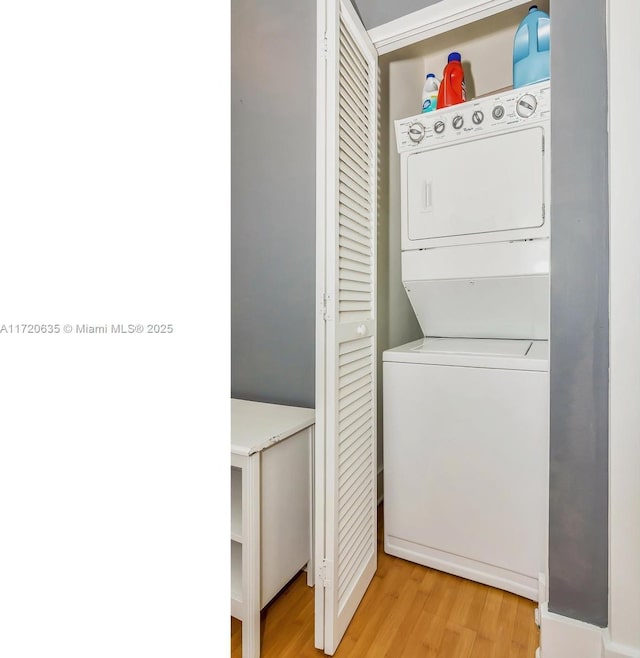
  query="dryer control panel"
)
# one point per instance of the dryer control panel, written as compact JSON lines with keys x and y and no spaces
{"x":482,"y":116}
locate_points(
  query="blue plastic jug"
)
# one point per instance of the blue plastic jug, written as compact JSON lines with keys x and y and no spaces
{"x":531,"y":48}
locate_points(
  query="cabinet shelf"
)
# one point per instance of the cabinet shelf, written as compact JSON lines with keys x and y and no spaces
{"x":236,"y":504}
{"x":236,"y":580}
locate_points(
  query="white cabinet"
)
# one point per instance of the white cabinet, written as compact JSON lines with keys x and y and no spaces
{"x":271,"y":507}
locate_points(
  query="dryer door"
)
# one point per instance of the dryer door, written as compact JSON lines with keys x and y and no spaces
{"x":475,"y":188}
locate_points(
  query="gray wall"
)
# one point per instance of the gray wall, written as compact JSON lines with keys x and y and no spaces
{"x":273,"y":97}
{"x":578,"y":523}
{"x":272,"y":254}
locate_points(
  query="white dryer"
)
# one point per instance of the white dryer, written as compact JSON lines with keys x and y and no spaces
{"x":466,"y":407}
{"x":477,"y":172}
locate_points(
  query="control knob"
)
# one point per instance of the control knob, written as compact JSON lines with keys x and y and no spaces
{"x":526,"y":105}
{"x":416,"y":132}
{"x":477,"y":117}
{"x":498,"y":112}
{"x":438,"y":127}
{"x":458,"y":121}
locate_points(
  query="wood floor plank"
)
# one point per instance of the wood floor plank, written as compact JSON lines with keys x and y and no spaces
{"x":408,"y":599}
{"x":463,"y":601}
{"x":506,"y":623}
{"x":490,"y":617}
{"x":526,"y":635}
{"x":371,"y":618}
{"x":482,"y":648}
{"x":473,"y":617}
{"x":425,"y":641}
{"x":457,"y":643}
{"x":407,"y":626}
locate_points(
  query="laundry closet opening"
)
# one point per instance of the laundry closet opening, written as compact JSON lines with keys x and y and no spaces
{"x":463,"y":311}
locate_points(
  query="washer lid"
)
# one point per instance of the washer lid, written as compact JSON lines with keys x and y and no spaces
{"x":479,"y":346}
{"x":503,"y":354}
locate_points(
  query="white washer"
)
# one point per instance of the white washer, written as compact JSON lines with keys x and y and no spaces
{"x":465,"y":449}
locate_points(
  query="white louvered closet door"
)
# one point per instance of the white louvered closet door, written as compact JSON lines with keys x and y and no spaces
{"x":347,"y":349}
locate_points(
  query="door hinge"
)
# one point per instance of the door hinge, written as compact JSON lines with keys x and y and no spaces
{"x":543,"y":143}
{"x":544,"y":211}
{"x":323,"y":573}
{"x":323,"y":46}
{"x":325,"y":306}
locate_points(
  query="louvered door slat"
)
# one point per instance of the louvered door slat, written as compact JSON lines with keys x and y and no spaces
{"x":351,"y":114}
{"x":352,"y":163}
{"x":359,"y":374}
{"x":355,"y":256}
{"x":347,"y":578}
{"x":353,"y":198}
{"x":354,"y":235}
{"x":352,"y":215}
{"x":350,"y":169}
{"x":351,"y":265}
{"x":352,"y":205}
{"x":355,"y":246}
{"x":359,"y":277}
{"x":358,"y":352}
{"x":351,"y":411}
{"x":351,"y":182}
{"x":352,"y":190}
{"x":353,"y":437}
{"x":351,"y":504}
{"x":345,"y":349}
{"x":357,"y":68}
{"x":355,"y":368}
{"x":355,"y":228}
{"x":348,"y":51}
{"x":351,"y":98}
{"x":354,"y":520}
{"x":353,"y":392}
{"x":356,"y":476}
{"x":354,"y":296}
{"x":358,"y":522}
{"x":353,"y":458}
{"x":357,"y":151}
{"x":350,"y":421}
{"x":351,"y":284}
{"x":353,"y":408}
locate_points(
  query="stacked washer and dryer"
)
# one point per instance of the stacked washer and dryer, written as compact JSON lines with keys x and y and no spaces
{"x":465,"y":407}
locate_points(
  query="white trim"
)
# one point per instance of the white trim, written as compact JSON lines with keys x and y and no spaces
{"x":435,"y":19}
{"x":319,"y":443}
{"x":623,"y":637}
{"x":562,"y":637}
{"x":612,"y":650}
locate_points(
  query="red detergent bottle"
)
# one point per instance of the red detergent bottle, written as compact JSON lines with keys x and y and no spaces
{"x":452,"y":90}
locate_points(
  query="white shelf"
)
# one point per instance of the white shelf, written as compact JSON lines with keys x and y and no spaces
{"x":236,"y":504}
{"x":271,"y":453}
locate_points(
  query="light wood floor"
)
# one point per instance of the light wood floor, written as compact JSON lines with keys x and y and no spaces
{"x":408,"y":611}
